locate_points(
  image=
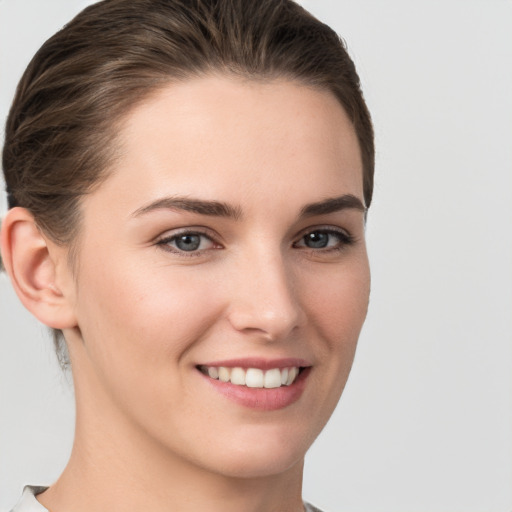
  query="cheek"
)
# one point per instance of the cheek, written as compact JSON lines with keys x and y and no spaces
{"x":335,"y":300}
{"x":138,"y":329}
{"x":338,"y":303}
{"x":141,"y":317}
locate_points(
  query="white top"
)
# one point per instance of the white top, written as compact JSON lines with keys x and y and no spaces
{"x":28,"y":502}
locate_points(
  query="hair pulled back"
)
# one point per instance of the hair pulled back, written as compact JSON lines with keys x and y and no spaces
{"x":60,"y":137}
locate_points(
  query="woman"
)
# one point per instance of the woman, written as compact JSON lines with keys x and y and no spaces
{"x":188,"y":184}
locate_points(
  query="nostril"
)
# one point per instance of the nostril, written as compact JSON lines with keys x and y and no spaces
{"x":268,"y":325}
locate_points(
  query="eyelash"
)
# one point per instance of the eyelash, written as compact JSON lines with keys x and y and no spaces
{"x":165,"y":242}
{"x":345,"y":239}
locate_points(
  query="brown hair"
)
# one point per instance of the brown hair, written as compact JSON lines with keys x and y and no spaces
{"x":60,"y":133}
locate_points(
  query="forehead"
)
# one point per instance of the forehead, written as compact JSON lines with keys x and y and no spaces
{"x":227,"y":136}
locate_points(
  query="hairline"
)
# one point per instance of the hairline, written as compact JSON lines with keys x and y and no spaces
{"x":114,"y":131}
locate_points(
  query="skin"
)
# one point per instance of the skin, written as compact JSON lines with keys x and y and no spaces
{"x":139,"y":315}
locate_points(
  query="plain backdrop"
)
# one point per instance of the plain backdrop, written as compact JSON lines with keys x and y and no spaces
{"x":425,"y":423}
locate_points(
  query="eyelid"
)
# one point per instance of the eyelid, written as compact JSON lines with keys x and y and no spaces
{"x":346,"y":238}
{"x":163,"y":240}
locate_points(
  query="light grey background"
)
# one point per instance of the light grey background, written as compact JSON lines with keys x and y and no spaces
{"x":425,"y":423}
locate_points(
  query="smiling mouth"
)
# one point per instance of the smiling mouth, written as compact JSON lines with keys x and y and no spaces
{"x":253,"y":377}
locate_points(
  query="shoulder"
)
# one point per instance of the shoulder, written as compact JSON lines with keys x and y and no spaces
{"x":310,"y":508}
{"x":28,"y":502}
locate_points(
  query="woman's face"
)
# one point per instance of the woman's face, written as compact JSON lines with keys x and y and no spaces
{"x":227,"y":244}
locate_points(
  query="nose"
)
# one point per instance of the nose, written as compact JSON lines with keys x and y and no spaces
{"x":265,"y":298}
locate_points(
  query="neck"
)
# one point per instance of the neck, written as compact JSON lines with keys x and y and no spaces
{"x":115,"y":466}
{"x":119,"y":481}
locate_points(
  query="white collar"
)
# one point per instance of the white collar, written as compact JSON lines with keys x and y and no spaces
{"x":28,"y":502}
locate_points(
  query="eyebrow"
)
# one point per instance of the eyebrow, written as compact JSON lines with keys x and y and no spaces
{"x":221,"y":209}
{"x":202,"y":207}
{"x":333,"y":205}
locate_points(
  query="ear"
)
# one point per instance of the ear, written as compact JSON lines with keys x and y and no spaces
{"x":37,"y":269}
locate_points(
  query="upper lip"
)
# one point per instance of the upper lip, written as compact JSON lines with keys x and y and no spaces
{"x":257,"y":362}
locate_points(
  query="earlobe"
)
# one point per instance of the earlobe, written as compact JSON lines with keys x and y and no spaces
{"x":32,"y":265}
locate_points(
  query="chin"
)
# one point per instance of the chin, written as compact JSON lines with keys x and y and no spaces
{"x":262,"y":455}
{"x":261,"y":466}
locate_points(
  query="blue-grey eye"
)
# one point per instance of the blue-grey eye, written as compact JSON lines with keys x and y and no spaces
{"x":317,"y":240}
{"x":188,"y":242}
{"x":325,"y":239}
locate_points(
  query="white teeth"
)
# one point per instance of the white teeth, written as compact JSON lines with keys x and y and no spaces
{"x":238,"y":376}
{"x":224,"y":374}
{"x":292,"y":373}
{"x":273,"y":378}
{"x":253,"y":377}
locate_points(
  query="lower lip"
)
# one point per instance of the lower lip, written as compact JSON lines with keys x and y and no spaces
{"x":263,"y":399}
